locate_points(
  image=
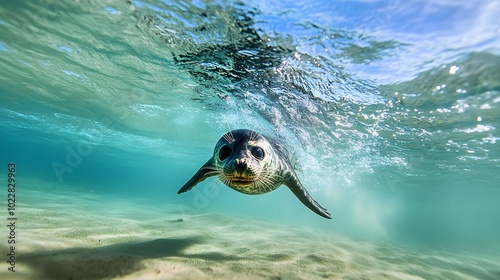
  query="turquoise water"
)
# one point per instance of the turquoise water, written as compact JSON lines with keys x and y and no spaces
{"x":392,"y":109}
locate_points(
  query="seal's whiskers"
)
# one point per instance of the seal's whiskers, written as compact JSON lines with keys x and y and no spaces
{"x":265,"y":181}
{"x":224,"y":179}
{"x":228,"y":137}
{"x":213,"y":170}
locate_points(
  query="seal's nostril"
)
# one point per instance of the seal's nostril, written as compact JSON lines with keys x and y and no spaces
{"x":240,"y":167}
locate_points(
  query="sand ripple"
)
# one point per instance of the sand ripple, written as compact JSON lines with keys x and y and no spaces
{"x":74,"y":236}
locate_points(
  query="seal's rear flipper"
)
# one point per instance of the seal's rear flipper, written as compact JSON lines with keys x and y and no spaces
{"x":301,"y":193}
{"x":204,"y":172}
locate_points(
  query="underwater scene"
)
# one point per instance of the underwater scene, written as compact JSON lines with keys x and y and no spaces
{"x":220,"y":139}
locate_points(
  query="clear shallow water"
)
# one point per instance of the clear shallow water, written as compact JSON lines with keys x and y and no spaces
{"x":391,"y":107}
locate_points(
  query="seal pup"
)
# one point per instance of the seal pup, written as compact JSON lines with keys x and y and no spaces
{"x":252,"y":163}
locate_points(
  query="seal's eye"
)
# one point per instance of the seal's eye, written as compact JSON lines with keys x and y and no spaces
{"x":225,"y":152}
{"x":257,"y":152}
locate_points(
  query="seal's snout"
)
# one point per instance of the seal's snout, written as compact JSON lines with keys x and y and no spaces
{"x":240,"y":166}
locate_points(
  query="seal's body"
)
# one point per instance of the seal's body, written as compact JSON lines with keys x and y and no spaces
{"x":252,"y":163}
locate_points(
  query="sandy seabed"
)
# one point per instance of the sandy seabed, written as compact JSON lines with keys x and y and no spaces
{"x":72,"y":235}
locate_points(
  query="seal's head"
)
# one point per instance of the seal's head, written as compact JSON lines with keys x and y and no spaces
{"x":242,"y":158}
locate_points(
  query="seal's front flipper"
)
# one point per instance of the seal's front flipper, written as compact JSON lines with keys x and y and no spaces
{"x":203,"y":173}
{"x":301,"y":193}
